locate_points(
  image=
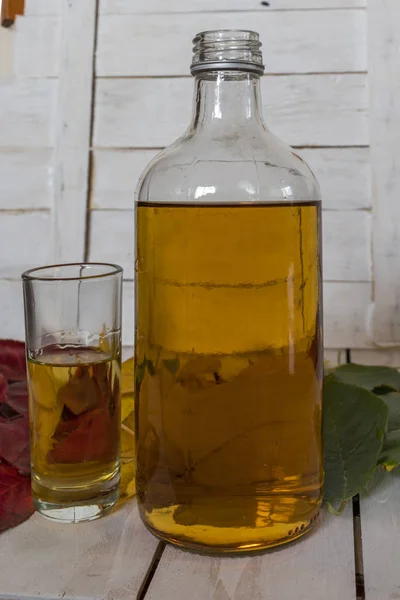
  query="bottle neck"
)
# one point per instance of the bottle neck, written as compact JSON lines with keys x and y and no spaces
{"x":227,"y":100}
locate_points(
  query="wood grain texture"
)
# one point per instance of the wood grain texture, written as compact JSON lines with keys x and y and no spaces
{"x":160,"y":6}
{"x":112,"y":235}
{"x":347,"y":308}
{"x":343,"y":174}
{"x":127,"y":352}
{"x":25,"y":178}
{"x":105,"y":559}
{"x":37,"y":47}
{"x":346,"y":315}
{"x":334,"y":358}
{"x":73,"y":129}
{"x":384,"y":42}
{"x":115,"y":176}
{"x":128,"y":314}
{"x":303,"y":110}
{"x":12,"y":314}
{"x":24,"y":241}
{"x":384,"y":358}
{"x":347,"y":246}
{"x":380,"y":524}
{"x":27,"y":111}
{"x":7,"y":38}
{"x":346,"y":243}
{"x":293,"y":41}
{"x":43,"y":7}
{"x":320,"y":566}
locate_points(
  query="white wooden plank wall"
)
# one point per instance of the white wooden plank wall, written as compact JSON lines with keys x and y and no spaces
{"x":293,"y":41}
{"x":73,"y":128}
{"x":315,"y":98}
{"x":27,"y":113}
{"x":159,"y":6}
{"x":43,"y":7}
{"x":303,"y":110}
{"x":44,"y":145}
{"x":384,"y":43}
{"x":7,"y":37}
{"x":53,"y":7}
{"x":25,"y":176}
{"x":26,"y":140}
{"x":37,"y":47}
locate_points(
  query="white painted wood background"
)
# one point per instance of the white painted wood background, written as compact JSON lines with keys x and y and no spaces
{"x":89,"y":106}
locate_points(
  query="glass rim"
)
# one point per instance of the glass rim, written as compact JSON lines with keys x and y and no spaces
{"x":113,"y":269}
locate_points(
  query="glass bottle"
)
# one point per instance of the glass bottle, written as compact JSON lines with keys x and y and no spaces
{"x":228,"y":321}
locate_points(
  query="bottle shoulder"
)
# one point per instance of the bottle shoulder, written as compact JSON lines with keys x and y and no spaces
{"x":256,"y":167}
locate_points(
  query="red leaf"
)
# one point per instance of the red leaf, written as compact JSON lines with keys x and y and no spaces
{"x":15,"y":497}
{"x":15,"y":487}
{"x":3,"y":388}
{"x":18,"y":396}
{"x":12,"y":360}
{"x":85,"y":438}
{"x":14,"y":442}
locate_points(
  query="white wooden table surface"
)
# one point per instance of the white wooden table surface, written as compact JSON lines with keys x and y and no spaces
{"x":115,"y":558}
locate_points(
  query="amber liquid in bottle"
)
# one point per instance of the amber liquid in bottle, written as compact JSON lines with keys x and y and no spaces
{"x":229,"y":373}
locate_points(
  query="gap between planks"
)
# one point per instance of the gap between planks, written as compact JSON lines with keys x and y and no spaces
{"x":358,"y":550}
{"x":358,"y":545}
{"x":267,"y":75}
{"x":233,"y":11}
{"x":90,"y":174}
{"x":155,"y":561}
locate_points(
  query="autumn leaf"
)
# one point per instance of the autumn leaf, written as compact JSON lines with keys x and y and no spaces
{"x":128,"y":461}
{"x":14,"y":425}
{"x":127,"y":484}
{"x":3,"y":388}
{"x":17,"y":397}
{"x":12,"y":360}
{"x":15,"y":486}
{"x":128,"y":377}
{"x":15,"y":497}
{"x":88,"y":437}
{"x":14,"y":442}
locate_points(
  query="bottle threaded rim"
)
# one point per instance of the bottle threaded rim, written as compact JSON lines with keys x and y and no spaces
{"x":227,"y":49}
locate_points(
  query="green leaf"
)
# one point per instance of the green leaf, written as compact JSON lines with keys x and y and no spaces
{"x":382,"y":390}
{"x":336,"y":511}
{"x":139,"y":374}
{"x":172,"y":365}
{"x":392,"y":401}
{"x":150,"y":366}
{"x":390,"y":455}
{"x":369,"y":378}
{"x":355,"y":422}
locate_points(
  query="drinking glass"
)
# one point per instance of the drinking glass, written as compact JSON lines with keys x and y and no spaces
{"x":73,"y":344}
